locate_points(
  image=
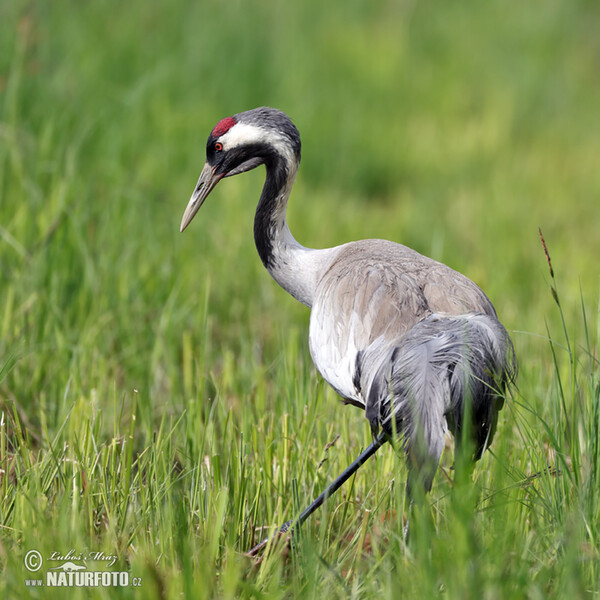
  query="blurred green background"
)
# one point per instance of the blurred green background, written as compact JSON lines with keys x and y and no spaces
{"x":457,"y":128}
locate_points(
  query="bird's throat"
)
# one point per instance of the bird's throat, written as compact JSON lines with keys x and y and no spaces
{"x":271,"y":233}
{"x":288,"y":262}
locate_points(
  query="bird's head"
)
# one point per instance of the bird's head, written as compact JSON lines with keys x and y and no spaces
{"x":243,"y":142}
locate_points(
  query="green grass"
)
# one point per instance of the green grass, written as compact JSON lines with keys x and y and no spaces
{"x":157,"y":398}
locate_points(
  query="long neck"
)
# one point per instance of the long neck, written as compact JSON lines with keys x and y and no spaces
{"x":290,"y":264}
{"x":270,"y":226}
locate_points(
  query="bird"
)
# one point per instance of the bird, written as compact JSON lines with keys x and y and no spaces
{"x":413,"y":343}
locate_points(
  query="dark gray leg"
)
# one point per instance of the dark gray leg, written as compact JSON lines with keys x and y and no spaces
{"x":333,"y":487}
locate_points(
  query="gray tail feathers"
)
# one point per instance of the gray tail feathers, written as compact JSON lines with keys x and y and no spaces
{"x":445,"y":369}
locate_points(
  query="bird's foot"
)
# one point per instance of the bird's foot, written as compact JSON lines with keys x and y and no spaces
{"x":285,"y":529}
{"x":406,"y":531}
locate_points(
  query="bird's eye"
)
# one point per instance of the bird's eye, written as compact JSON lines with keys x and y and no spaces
{"x":218,"y":146}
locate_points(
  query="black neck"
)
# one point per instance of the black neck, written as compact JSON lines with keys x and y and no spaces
{"x":270,"y":212}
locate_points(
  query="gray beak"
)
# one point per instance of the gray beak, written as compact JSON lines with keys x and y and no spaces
{"x":206,"y":183}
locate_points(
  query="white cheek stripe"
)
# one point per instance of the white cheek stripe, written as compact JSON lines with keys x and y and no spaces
{"x":243,"y":133}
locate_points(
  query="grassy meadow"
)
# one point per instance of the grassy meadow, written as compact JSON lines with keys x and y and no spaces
{"x":158,"y":403}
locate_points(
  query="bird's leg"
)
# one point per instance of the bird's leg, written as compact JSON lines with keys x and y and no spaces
{"x":422,"y":467}
{"x":406,"y":529}
{"x":331,"y":488}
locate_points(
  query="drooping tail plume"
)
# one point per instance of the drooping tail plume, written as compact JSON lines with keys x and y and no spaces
{"x":445,"y":369}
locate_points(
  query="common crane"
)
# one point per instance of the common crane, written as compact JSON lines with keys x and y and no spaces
{"x":412,"y":342}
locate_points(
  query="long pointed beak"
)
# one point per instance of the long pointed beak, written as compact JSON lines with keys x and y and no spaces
{"x":206,"y":183}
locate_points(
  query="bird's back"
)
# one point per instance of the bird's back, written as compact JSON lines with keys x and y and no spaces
{"x":375,"y":292}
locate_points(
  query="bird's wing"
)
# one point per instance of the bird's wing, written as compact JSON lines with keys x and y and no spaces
{"x":371,"y":295}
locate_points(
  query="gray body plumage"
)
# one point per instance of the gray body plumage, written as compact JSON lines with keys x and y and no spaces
{"x":412,"y":342}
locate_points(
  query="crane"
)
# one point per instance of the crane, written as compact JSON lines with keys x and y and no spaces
{"x":413,"y":343}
